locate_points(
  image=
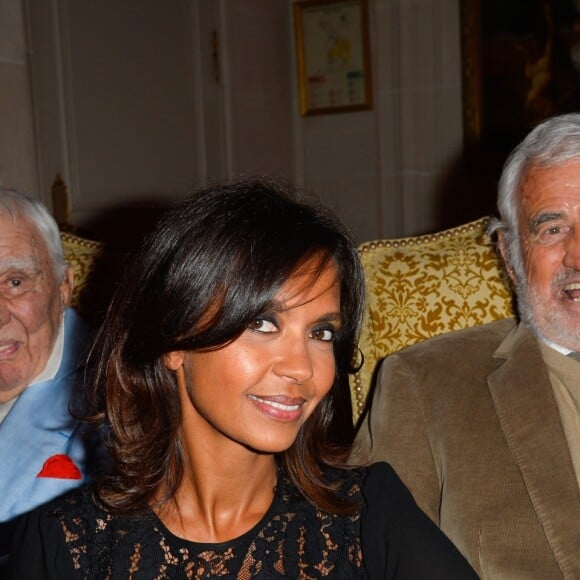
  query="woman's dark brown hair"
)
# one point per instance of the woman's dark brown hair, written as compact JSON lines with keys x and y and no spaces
{"x":212,"y":266}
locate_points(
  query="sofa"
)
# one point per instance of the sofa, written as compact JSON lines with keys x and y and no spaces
{"x":419,"y":287}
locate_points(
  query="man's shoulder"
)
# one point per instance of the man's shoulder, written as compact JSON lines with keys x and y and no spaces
{"x":481,"y":339}
{"x":466,"y":356}
{"x":78,"y":334}
{"x":75,"y":324}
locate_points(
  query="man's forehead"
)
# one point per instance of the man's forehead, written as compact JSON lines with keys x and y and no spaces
{"x":19,"y":224}
{"x":546,"y":171}
{"x":20,"y":238}
{"x":549,"y":187}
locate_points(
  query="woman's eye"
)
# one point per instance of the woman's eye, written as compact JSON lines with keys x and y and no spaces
{"x":262,"y":325}
{"x":15,"y":282}
{"x":323,"y":334}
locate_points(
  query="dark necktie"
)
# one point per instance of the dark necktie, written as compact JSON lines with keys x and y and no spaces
{"x":575,"y":355}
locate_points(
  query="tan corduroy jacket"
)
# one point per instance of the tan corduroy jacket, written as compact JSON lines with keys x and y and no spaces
{"x":469,"y":422}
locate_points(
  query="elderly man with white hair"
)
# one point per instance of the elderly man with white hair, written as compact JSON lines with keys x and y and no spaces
{"x":483,"y":425}
{"x":43,"y":344}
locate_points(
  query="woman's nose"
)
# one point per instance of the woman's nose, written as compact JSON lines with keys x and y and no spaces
{"x":295,"y":361}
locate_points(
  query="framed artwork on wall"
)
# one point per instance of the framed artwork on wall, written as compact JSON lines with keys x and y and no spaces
{"x":333,"y":56}
{"x":520,"y":65}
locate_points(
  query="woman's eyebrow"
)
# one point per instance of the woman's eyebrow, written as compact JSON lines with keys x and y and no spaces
{"x":331,"y":317}
{"x":277,"y":306}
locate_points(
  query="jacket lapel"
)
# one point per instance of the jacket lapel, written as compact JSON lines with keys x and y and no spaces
{"x":528,"y":413}
{"x":37,"y":428}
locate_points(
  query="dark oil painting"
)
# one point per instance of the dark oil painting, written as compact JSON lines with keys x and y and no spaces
{"x":521,"y":64}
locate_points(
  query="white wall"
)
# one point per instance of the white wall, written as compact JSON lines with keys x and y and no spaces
{"x":140,"y":101}
{"x":382,"y":168}
{"x":17,"y":155}
{"x":256,"y":45}
{"x":115,"y":90}
{"x":130,"y":107}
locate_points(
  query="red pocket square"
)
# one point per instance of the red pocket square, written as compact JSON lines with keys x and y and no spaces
{"x":60,"y":466}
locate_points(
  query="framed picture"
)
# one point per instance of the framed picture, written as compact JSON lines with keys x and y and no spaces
{"x":520,"y":65}
{"x":333,"y":58}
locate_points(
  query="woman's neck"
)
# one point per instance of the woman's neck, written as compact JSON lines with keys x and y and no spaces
{"x":222,"y":495}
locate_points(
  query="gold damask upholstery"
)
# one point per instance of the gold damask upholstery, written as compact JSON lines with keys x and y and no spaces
{"x":422,"y":286}
{"x":96,"y":269}
{"x":82,"y":254}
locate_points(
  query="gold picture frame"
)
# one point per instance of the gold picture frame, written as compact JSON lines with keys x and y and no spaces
{"x":333,"y":56}
{"x":520,"y":65}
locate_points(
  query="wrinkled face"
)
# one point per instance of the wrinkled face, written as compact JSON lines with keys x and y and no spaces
{"x":31,"y":305}
{"x":549,"y":223}
{"x":258,"y":391}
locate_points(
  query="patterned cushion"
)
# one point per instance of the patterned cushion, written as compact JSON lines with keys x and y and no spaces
{"x":422,"y":286}
{"x":96,"y":267}
{"x":82,"y":255}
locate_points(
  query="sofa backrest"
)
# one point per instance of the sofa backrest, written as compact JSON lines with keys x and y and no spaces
{"x":96,"y":267}
{"x":419,"y":287}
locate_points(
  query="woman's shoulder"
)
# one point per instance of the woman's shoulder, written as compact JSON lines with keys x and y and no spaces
{"x":77,"y":521}
{"x":394,"y":530}
{"x":380,"y":480}
{"x":40,"y":538}
{"x":347,"y":479}
{"x":377,"y":478}
{"x":73,"y":532}
{"x":73,"y":506}
{"x":72,"y":503}
{"x":74,"y":518}
{"x":388,"y":503}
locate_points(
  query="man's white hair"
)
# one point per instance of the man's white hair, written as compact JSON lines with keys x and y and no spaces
{"x":15,"y":205}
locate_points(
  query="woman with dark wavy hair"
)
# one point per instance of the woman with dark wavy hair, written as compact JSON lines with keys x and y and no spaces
{"x":222,"y":388}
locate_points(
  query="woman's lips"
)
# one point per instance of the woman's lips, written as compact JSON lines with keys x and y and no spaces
{"x":279,"y":407}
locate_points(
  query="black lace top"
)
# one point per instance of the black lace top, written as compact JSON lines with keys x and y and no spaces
{"x":72,"y":538}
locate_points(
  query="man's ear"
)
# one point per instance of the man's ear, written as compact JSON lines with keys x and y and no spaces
{"x":503,"y":250}
{"x":66,"y":286}
{"x":173,"y":360}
